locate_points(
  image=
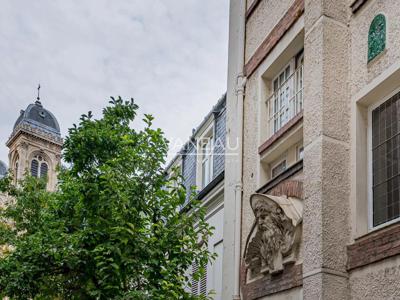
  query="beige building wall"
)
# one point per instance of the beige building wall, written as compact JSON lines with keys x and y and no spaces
{"x":263,"y":19}
{"x":341,"y":256}
{"x":369,"y":83}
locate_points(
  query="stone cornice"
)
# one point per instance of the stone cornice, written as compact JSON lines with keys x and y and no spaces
{"x":35,"y":132}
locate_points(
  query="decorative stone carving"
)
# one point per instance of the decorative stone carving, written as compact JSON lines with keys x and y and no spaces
{"x":275,"y":235}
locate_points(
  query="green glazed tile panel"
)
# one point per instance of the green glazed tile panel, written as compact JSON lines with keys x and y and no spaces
{"x":376,"y":36}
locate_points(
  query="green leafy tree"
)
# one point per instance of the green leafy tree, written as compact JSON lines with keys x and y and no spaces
{"x":114,"y":229}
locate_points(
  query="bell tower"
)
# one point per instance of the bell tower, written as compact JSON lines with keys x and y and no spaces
{"x":35,"y":144}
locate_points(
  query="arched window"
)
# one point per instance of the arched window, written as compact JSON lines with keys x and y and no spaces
{"x":43,"y":170}
{"x":34,"y":168}
{"x":16,"y":169}
{"x":376,"y":36}
{"x":39,"y":167}
{"x":16,"y":166}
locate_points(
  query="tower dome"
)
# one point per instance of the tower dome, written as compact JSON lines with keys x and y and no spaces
{"x":36,"y":115}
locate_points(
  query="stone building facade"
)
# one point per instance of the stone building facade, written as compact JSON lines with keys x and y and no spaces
{"x":312,"y":204}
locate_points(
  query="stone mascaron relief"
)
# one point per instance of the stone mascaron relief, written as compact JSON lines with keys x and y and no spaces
{"x":275,"y":235}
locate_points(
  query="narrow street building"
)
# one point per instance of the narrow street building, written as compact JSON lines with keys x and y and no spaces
{"x":201,"y":163}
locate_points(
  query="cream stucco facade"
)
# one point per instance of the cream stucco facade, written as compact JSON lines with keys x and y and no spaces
{"x":301,"y":91}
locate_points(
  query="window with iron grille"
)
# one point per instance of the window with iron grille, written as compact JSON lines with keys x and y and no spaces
{"x":287,"y":94}
{"x":385,"y":161}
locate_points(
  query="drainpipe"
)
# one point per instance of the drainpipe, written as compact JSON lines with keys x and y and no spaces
{"x":239,"y":186}
{"x":239,"y":91}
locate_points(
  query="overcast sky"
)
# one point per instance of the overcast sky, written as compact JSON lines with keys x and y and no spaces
{"x":169,"y":55}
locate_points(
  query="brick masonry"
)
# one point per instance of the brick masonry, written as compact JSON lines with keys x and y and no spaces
{"x":290,"y":277}
{"x":291,"y":16}
{"x":374,"y":247}
{"x":290,"y":188}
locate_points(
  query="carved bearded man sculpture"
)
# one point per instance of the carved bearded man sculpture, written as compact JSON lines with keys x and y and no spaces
{"x":276,"y":224}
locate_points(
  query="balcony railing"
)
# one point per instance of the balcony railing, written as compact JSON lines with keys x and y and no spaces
{"x":286,"y":101}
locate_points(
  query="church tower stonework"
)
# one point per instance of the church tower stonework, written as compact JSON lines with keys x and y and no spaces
{"x":35,"y":145}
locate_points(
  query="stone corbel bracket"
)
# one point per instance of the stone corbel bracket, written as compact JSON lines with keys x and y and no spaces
{"x":275,"y":235}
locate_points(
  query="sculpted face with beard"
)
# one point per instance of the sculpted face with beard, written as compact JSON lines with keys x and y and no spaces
{"x":270,"y":234}
{"x":273,"y":239}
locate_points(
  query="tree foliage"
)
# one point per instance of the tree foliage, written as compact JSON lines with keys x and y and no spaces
{"x":114,"y":229}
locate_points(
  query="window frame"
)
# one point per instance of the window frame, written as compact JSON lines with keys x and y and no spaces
{"x":39,"y":166}
{"x":296,"y":68}
{"x":373,"y":106}
{"x":207,"y":134}
{"x":276,"y":163}
{"x":299,"y":150}
{"x":292,"y":65}
{"x":208,"y":142}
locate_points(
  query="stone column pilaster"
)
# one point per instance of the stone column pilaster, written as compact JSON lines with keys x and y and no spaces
{"x":327,"y":155}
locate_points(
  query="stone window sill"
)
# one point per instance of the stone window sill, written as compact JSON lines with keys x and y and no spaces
{"x":280,"y":133}
{"x":209,"y":187}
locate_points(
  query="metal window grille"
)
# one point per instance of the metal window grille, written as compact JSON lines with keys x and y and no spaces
{"x":195,"y":283}
{"x":385,"y":161}
{"x":203,"y":283}
{"x":199,"y":287}
{"x":287,"y":98}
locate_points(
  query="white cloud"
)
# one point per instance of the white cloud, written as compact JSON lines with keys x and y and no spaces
{"x":170,"y":55}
